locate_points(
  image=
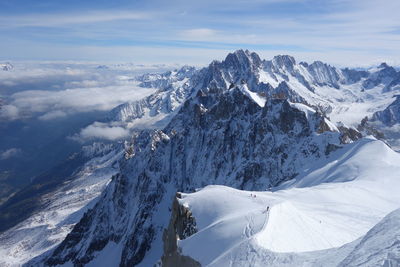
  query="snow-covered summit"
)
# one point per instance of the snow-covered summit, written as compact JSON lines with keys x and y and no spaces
{"x":385,"y":75}
{"x":6,"y":66}
{"x":390,"y":115}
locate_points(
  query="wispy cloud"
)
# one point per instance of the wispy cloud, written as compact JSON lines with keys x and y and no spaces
{"x":331,"y":28}
{"x":200,"y":34}
{"x":10,"y":153}
{"x":51,"y":115}
{"x":100,"y":130}
{"x":55,"y":104}
{"x":64,"y":19}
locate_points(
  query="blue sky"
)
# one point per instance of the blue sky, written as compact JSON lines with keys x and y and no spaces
{"x":342,"y":32}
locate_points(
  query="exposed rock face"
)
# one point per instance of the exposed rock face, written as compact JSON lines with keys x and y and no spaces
{"x":353,"y":76}
{"x":348,"y":135}
{"x":325,"y":75}
{"x":181,"y":225}
{"x":390,"y":115}
{"x":386,"y":75}
{"x":283,"y":91}
{"x":365,"y":128}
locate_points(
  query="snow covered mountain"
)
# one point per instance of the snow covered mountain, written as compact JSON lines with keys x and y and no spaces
{"x":277,"y":126}
{"x":345,"y":95}
{"x":57,"y":206}
{"x":6,"y":66}
{"x":225,"y":133}
{"x":390,"y":115}
{"x":384,"y":75}
{"x":173,"y":88}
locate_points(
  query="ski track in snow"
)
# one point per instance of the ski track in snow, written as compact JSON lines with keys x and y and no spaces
{"x":303,"y":218}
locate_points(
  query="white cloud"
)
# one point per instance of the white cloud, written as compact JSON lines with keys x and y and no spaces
{"x":53,"y":20}
{"x":57,"y":90}
{"x":200,"y":34}
{"x":9,"y":112}
{"x":334,"y":28}
{"x":51,"y":115}
{"x":9,"y":153}
{"x":100,"y":130}
{"x":78,"y":99}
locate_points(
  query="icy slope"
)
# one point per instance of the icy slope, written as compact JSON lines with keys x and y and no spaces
{"x":355,"y":191}
{"x":380,"y":246}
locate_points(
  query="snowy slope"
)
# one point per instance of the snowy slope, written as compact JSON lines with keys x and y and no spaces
{"x":355,"y":191}
{"x":380,"y":246}
{"x":60,"y":210}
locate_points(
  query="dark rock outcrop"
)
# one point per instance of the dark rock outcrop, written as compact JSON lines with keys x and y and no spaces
{"x":390,"y":115}
{"x":181,"y":225}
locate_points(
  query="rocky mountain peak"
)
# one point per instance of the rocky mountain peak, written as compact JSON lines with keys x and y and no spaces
{"x":324,"y":74}
{"x":284,"y":61}
{"x":242,"y":59}
{"x":385,"y":75}
{"x":383,"y":65}
{"x":390,"y":115}
{"x":6,"y":66}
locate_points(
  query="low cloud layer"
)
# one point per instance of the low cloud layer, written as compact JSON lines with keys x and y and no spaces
{"x":10,"y":153}
{"x":100,"y":130}
{"x":53,"y":104}
{"x":52,"y":91}
{"x":52,"y":115}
